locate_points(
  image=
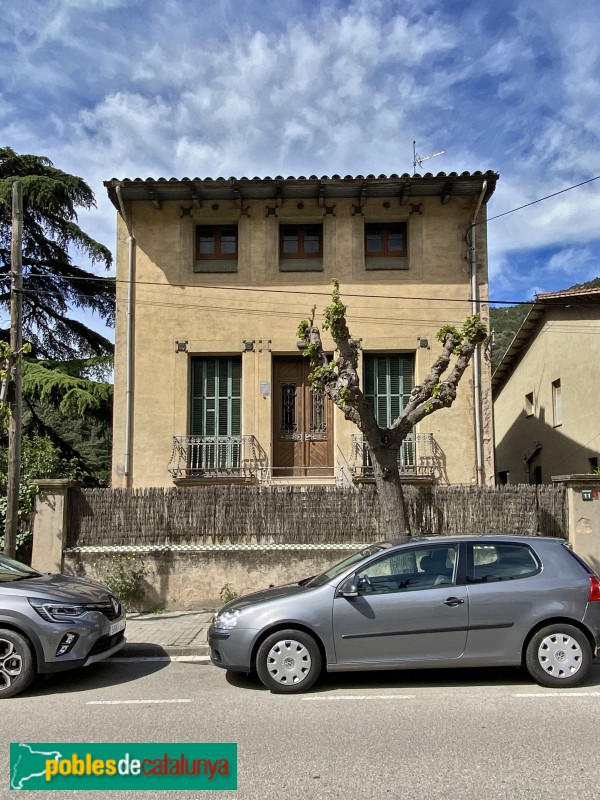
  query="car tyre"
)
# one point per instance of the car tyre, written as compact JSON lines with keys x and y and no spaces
{"x":17,"y":669}
{"x":558,"y":656}
{"x":288,"y":662}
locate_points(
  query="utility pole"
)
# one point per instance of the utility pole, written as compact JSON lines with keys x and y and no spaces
{"x":16,"y":346}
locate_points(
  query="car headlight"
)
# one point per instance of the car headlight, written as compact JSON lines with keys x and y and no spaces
{"x":57,"y":612}
{"x":227,"y":619}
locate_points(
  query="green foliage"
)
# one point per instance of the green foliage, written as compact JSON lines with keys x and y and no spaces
{"x":56,"y":384}
{"x":505,"y":322}
{"x":124,"y":575}
{"x":52,"y":283}
{"x":335,"y":312}
{"x":39,"y":459}
{"x":227,"y":593}
{"x":7,"y":361}
{"x":473,"y":330}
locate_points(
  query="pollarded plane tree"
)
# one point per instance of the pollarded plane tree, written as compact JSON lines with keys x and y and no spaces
{"x":338,"y":378}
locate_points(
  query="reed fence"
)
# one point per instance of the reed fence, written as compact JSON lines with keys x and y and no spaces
{"x":302,"y":515}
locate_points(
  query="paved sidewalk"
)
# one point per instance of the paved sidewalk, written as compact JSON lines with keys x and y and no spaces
{"x":170,"y":633}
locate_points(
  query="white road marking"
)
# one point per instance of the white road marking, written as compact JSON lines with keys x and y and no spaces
{"x":132,"y":702}
{"x":563,"y":693}
{"x":365,"y":697}
{"x":183,"y":659}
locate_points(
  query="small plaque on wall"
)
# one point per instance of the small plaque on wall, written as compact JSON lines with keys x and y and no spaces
{"x":265,"y":388}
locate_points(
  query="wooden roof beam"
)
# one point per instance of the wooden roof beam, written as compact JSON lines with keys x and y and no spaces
{"x":154,"y":197}
{"x":447,"y":192}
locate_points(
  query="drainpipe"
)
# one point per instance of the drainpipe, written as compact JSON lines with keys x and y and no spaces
{"x":129,"y":340}
{"x":477,"y":354}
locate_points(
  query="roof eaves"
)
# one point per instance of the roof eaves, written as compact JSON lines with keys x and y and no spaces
{"x":331,"y":188}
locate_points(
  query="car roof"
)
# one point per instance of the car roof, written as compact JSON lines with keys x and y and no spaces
{"x":467,"y":537}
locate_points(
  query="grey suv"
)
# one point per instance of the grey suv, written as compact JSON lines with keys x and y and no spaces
{"x":50,"y":623}
{"x":469,"y":601}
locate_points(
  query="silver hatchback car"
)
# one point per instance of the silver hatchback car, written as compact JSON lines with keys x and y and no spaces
{"x":50,"y":623}
{"x":455,"y":601}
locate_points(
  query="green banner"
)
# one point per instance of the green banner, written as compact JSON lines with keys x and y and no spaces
{"x":126,"y":765}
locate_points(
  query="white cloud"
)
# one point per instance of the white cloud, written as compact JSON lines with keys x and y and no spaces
{"x":130,"y":88}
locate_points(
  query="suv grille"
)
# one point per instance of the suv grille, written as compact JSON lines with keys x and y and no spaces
{"x":111,"y":608}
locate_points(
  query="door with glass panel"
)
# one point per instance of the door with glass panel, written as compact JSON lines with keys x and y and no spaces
{"x":302,"y":422}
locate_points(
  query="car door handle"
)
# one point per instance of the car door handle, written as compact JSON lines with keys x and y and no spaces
{"x":453,"y":601}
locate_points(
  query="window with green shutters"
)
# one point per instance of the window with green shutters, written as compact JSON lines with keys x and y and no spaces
{"x":388,"y":382}
{"x":216,"y":413}
{"x":216,"y":396}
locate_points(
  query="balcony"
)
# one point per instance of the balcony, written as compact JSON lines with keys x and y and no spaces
{"x":419,"y":457}
{"x":216,"y":458}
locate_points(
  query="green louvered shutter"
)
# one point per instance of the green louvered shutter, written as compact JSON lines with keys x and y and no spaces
{"x":216,"y":397}
{"x":388,"y":382}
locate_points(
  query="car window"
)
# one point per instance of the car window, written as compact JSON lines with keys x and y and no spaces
{"x":410,"y":570}
{"x":500,"y":562}
{"x":10,"y":569}
{"x":337,"y":569}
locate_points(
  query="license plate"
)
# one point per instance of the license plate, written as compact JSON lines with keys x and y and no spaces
{"x":116,"y":627}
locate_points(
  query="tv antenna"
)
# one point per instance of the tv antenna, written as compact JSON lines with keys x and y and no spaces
{"x":417,"y":159}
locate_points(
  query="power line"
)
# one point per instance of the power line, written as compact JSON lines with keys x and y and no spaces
{"x":286,"y":291}
{"x":547,"y":197}
{"x":567,"y":301}
{"x":491,"y":301}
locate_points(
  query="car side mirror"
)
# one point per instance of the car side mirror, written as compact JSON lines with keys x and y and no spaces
{"x":348,"y":588}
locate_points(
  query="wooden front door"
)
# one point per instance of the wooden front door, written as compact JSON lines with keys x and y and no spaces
{"x":302,"y":422}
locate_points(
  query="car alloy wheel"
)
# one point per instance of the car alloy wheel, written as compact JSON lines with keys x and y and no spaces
{"x":288,"y":661}
{"x":16,"y":663}
{"x":558,"y":655}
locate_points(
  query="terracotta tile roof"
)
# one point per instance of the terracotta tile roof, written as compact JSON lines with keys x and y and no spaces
{"x":567,"y":293}
{"x":322,"y":188}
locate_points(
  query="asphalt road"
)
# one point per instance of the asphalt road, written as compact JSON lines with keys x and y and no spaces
{"x":457,"y":734}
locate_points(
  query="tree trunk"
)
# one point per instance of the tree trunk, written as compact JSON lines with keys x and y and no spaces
{"x":393,"y":514}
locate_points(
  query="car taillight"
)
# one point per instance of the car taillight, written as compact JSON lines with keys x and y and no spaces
{"x":594,"y":588}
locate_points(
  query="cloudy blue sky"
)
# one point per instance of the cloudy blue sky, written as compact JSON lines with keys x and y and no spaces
{"x":163,"y":88}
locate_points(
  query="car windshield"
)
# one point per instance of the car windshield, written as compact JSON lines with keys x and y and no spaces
{"x":11,"y":570}
{"x":337,"y":569}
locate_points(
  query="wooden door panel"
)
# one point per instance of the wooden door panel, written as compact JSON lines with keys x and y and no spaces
{"x":302,"y":423}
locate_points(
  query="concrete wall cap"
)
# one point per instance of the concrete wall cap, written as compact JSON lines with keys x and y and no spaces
{"x":47,"y":484}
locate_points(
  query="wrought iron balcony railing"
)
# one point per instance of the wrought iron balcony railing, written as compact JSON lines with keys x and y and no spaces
{"x":216,"y":457}
{"x":418,"y":456}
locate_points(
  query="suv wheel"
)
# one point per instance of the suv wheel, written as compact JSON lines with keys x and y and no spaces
{"x":16,"y":663}
{"x":559,"y":656}
{"x":288,"y":661}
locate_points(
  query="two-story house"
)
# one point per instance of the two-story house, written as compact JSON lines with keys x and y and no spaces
{"x":213,"y":278}
{"x":545,"y":391}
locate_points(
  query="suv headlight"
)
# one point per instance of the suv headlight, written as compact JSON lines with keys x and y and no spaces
{"x":227,"y":619}
{"x":57,"y":612}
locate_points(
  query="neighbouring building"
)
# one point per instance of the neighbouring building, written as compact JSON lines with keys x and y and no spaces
{"x":213,"y":278}
{"x":546,"y":391}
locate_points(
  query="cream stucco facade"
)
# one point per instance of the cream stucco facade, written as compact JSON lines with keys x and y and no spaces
{"x":173,"y":310}
{"x":547,"y":420}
